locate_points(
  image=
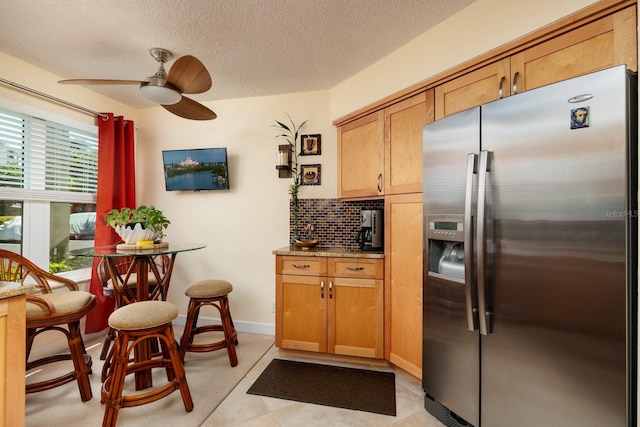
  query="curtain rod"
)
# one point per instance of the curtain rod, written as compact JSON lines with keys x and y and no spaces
{"x":53,"y":98}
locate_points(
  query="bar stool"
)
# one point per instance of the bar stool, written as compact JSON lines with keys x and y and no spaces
{"x":125,"y":294}
{"x":214,"y":293}
{"x":134,"y":323}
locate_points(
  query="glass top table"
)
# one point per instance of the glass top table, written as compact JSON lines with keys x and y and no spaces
{"x":142,"y":262}
{"x":126,"y":265}
{"x":114,"y":251}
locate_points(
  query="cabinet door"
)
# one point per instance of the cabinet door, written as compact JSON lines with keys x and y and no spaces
{"x":12,"y":362}
{"x":403,"y":143}
{"x":355,"y":317}
{"x":301,"y":314}
{"x":604,"y":43}
{"x":361,"y":157}
{"x":478,"y":87}
{"x":403,"y":284}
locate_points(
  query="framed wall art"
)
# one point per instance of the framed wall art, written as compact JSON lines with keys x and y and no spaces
{"x":310,"y":145}
{"x":310,"y":174}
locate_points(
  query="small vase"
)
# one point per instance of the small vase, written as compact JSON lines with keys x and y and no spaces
{"x":131,"y":236}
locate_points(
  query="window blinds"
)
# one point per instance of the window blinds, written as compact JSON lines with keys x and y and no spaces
{"x":44,"y":160}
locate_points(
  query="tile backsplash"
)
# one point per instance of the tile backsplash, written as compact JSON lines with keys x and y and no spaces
{"x":336,"y":222}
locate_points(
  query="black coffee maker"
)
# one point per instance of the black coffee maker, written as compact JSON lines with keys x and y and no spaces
{"x":370,"y":236}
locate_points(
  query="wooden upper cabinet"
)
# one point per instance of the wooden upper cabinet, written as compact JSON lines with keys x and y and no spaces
{"x":478,"y":87}
{"x":361,"y":157}
{"x":403,"y":142}
{"x":604,"y":43}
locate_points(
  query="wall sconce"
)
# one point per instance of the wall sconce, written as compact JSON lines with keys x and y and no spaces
{"x":284,"y":161}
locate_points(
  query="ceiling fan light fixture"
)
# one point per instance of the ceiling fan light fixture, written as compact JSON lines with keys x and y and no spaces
{"x":161,"y":94}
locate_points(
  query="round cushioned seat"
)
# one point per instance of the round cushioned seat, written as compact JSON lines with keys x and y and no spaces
{"x":143,"y":315}
{"x":208,"y":288}
{"x":63,"y":302}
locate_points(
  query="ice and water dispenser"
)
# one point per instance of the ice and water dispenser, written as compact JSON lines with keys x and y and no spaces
{"x":446,"y":246}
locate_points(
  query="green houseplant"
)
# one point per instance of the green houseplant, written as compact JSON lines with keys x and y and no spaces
{"x":291,"y":133}
{"x":141,"y":223}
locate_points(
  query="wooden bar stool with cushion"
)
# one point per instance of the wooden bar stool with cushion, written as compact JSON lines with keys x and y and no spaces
{"x":125,"y":292}
{"x":134,"y":323}
{"x":47,"y":310}
{"x":209,"y":293}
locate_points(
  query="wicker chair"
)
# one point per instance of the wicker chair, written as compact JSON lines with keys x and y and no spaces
{"x":52,"y":311}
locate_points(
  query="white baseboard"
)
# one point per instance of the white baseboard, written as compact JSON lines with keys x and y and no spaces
{"x":241,"y":326}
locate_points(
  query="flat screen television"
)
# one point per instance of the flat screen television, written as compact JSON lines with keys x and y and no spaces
{"x":195,"y":170}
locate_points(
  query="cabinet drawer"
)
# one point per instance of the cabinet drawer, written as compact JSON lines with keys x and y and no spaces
{"x":301,"y":266}
{"x":356,"y":267}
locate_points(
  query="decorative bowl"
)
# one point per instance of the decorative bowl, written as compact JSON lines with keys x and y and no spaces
{"x":131,"y":236}
{"x":307,"y":244}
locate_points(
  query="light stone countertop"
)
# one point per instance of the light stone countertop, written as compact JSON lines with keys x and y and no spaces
{"x":12,"y":289}
{"x":328,"y":252}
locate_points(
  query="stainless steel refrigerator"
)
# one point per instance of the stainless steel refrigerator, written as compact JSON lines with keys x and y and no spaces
{"x":530,"y":284}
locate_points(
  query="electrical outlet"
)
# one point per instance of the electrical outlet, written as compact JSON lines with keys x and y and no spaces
{"x":273,"y":306}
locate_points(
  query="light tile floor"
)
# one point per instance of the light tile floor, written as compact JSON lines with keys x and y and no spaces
{"x":240,"y":409}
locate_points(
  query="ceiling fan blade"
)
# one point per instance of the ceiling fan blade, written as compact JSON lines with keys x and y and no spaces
{"x":190,"y":109}
{"x":189,"y":75}
{"x":100,"y":82}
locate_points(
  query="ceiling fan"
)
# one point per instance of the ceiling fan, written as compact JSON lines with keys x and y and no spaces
{"x":187,"y":75}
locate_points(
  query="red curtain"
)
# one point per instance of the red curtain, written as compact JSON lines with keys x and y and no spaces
{"x":116,"y":189}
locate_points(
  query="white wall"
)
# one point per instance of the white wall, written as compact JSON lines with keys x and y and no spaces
{"x":242,"y":226}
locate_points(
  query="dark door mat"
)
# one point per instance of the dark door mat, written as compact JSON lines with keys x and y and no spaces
{"x":359,"y":389}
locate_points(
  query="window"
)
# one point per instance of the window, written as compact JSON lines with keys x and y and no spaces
{"x":48,"y":184}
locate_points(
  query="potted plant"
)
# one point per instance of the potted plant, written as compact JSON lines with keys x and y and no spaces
{"x":144,"y":223}
{"x":290,"y":134}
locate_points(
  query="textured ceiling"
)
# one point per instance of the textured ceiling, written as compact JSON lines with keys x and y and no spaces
{"x":250,"y":47}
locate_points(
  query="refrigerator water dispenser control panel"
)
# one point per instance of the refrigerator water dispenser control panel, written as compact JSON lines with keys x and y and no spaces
{"x":446,"y":230}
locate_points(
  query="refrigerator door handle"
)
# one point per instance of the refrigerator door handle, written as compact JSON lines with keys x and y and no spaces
{"x":485,"y":315}
{"x":469,"y":290}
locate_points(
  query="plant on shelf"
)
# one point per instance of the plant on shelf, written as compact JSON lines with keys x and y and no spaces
{"x":141,"y":223}
{"x":290,"y":134}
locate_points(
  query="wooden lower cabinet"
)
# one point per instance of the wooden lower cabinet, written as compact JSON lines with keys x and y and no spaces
{"x":330,"y":305}
{"x":12,"y":360}
{"x":403,"y":282}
